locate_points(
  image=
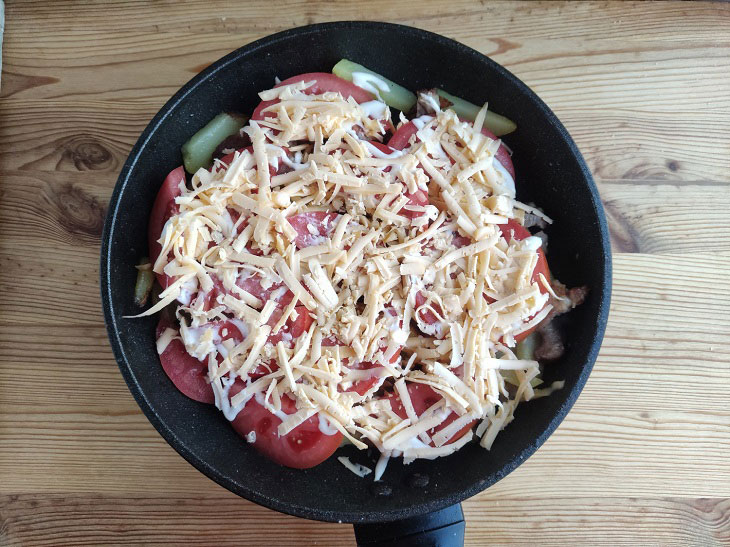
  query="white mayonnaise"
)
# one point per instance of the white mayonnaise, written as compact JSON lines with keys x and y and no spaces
{"x":421,"y":121}
{"x":377,"y":153}
{"x":199,"y":341}
{"x":377,"y":110}
{"x":221,"y":388}
{"x":296,"y":164}
{"x":533,"y":243}
{"x":324,"y":425}
{"x":432,"y":101}
{"x":505,"y":184}
{"x":187,"y":290}
{"x":370,"y":82}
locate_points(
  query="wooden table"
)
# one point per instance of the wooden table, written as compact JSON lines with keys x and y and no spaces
{"x":645,"y":91}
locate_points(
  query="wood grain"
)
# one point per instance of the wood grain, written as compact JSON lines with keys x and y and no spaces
{"x":153,"y":520}
{"x":644,"y":88}
{"x":621,"y":21}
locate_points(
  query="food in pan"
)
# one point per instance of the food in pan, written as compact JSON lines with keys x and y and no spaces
{"x":340,"y":273}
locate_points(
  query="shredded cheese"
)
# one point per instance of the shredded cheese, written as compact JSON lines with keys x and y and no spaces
{"x":348,"y":295}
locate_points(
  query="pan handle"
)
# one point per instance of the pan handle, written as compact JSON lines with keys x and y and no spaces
{"x":444,"y":528}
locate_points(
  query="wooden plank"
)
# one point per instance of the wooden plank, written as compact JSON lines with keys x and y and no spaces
{"x":665,"y":216}
{"x":597,"y":521}
{"x":35,"y":520}
{"x":221,"y":520}
{"x":70,"y":136}
{"x":51,"y":227}
{"x":600,"y":77}
{"x":665,"y":146}
{"x":631,"y":21}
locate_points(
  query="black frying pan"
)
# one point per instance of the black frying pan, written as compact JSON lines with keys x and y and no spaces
{"x":551,"y":172}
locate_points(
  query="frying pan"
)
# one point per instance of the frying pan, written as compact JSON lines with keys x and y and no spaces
{"x":417,"y":503}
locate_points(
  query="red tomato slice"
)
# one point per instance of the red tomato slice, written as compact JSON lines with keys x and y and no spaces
{"x":278,"y":291}
{"x":190,"y":375}
{"x":510,"y":230}
{"x":402,"y":135}
{"x":460,"y":241}
{"x":228,"y":158}
{"x":163,"y":208}
{"x":187,"y":373}
{"x":361,"y":387}
{"x":400,"y":139}
{"x":514,"y":230}
{"x":423,"y":397}
{"x":312,"y":228}
{"x":303,"y":447}
{"x":323,"y":82}
{"x":428,"y":316}
{"x":418,"y":198}
{"x":293,"y":328}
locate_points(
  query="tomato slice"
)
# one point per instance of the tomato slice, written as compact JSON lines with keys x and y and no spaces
{"x":185,"y":371}
{"x":323,"y":82}
{"x":190,"y":374}
{"x":293,"y":328}
{"x":361,"y":387}
{"x":460,"y":241}
{"x":514,"y":230}
{"x":418,"y":198}
{"x":313,"y":228}
{"x":164,"y":208}
{"x":428,"y":316}
{"x":228,"y":158}
{"x":403,"y":135}
{"x":511,"y":230}
{"x":423,"y":397}
{"x":303,"y":447}
{"x":277,"y":291}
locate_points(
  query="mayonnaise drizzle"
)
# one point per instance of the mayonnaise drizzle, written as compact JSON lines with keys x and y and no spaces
{"x":221,"y":389}
{"x":377,"y":153}
{"x":377,"y":110}
{"x":370,"y":82}
{"x":324,"y":425}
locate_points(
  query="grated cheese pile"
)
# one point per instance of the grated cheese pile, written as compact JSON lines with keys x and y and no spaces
{"x":398,"y":293}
